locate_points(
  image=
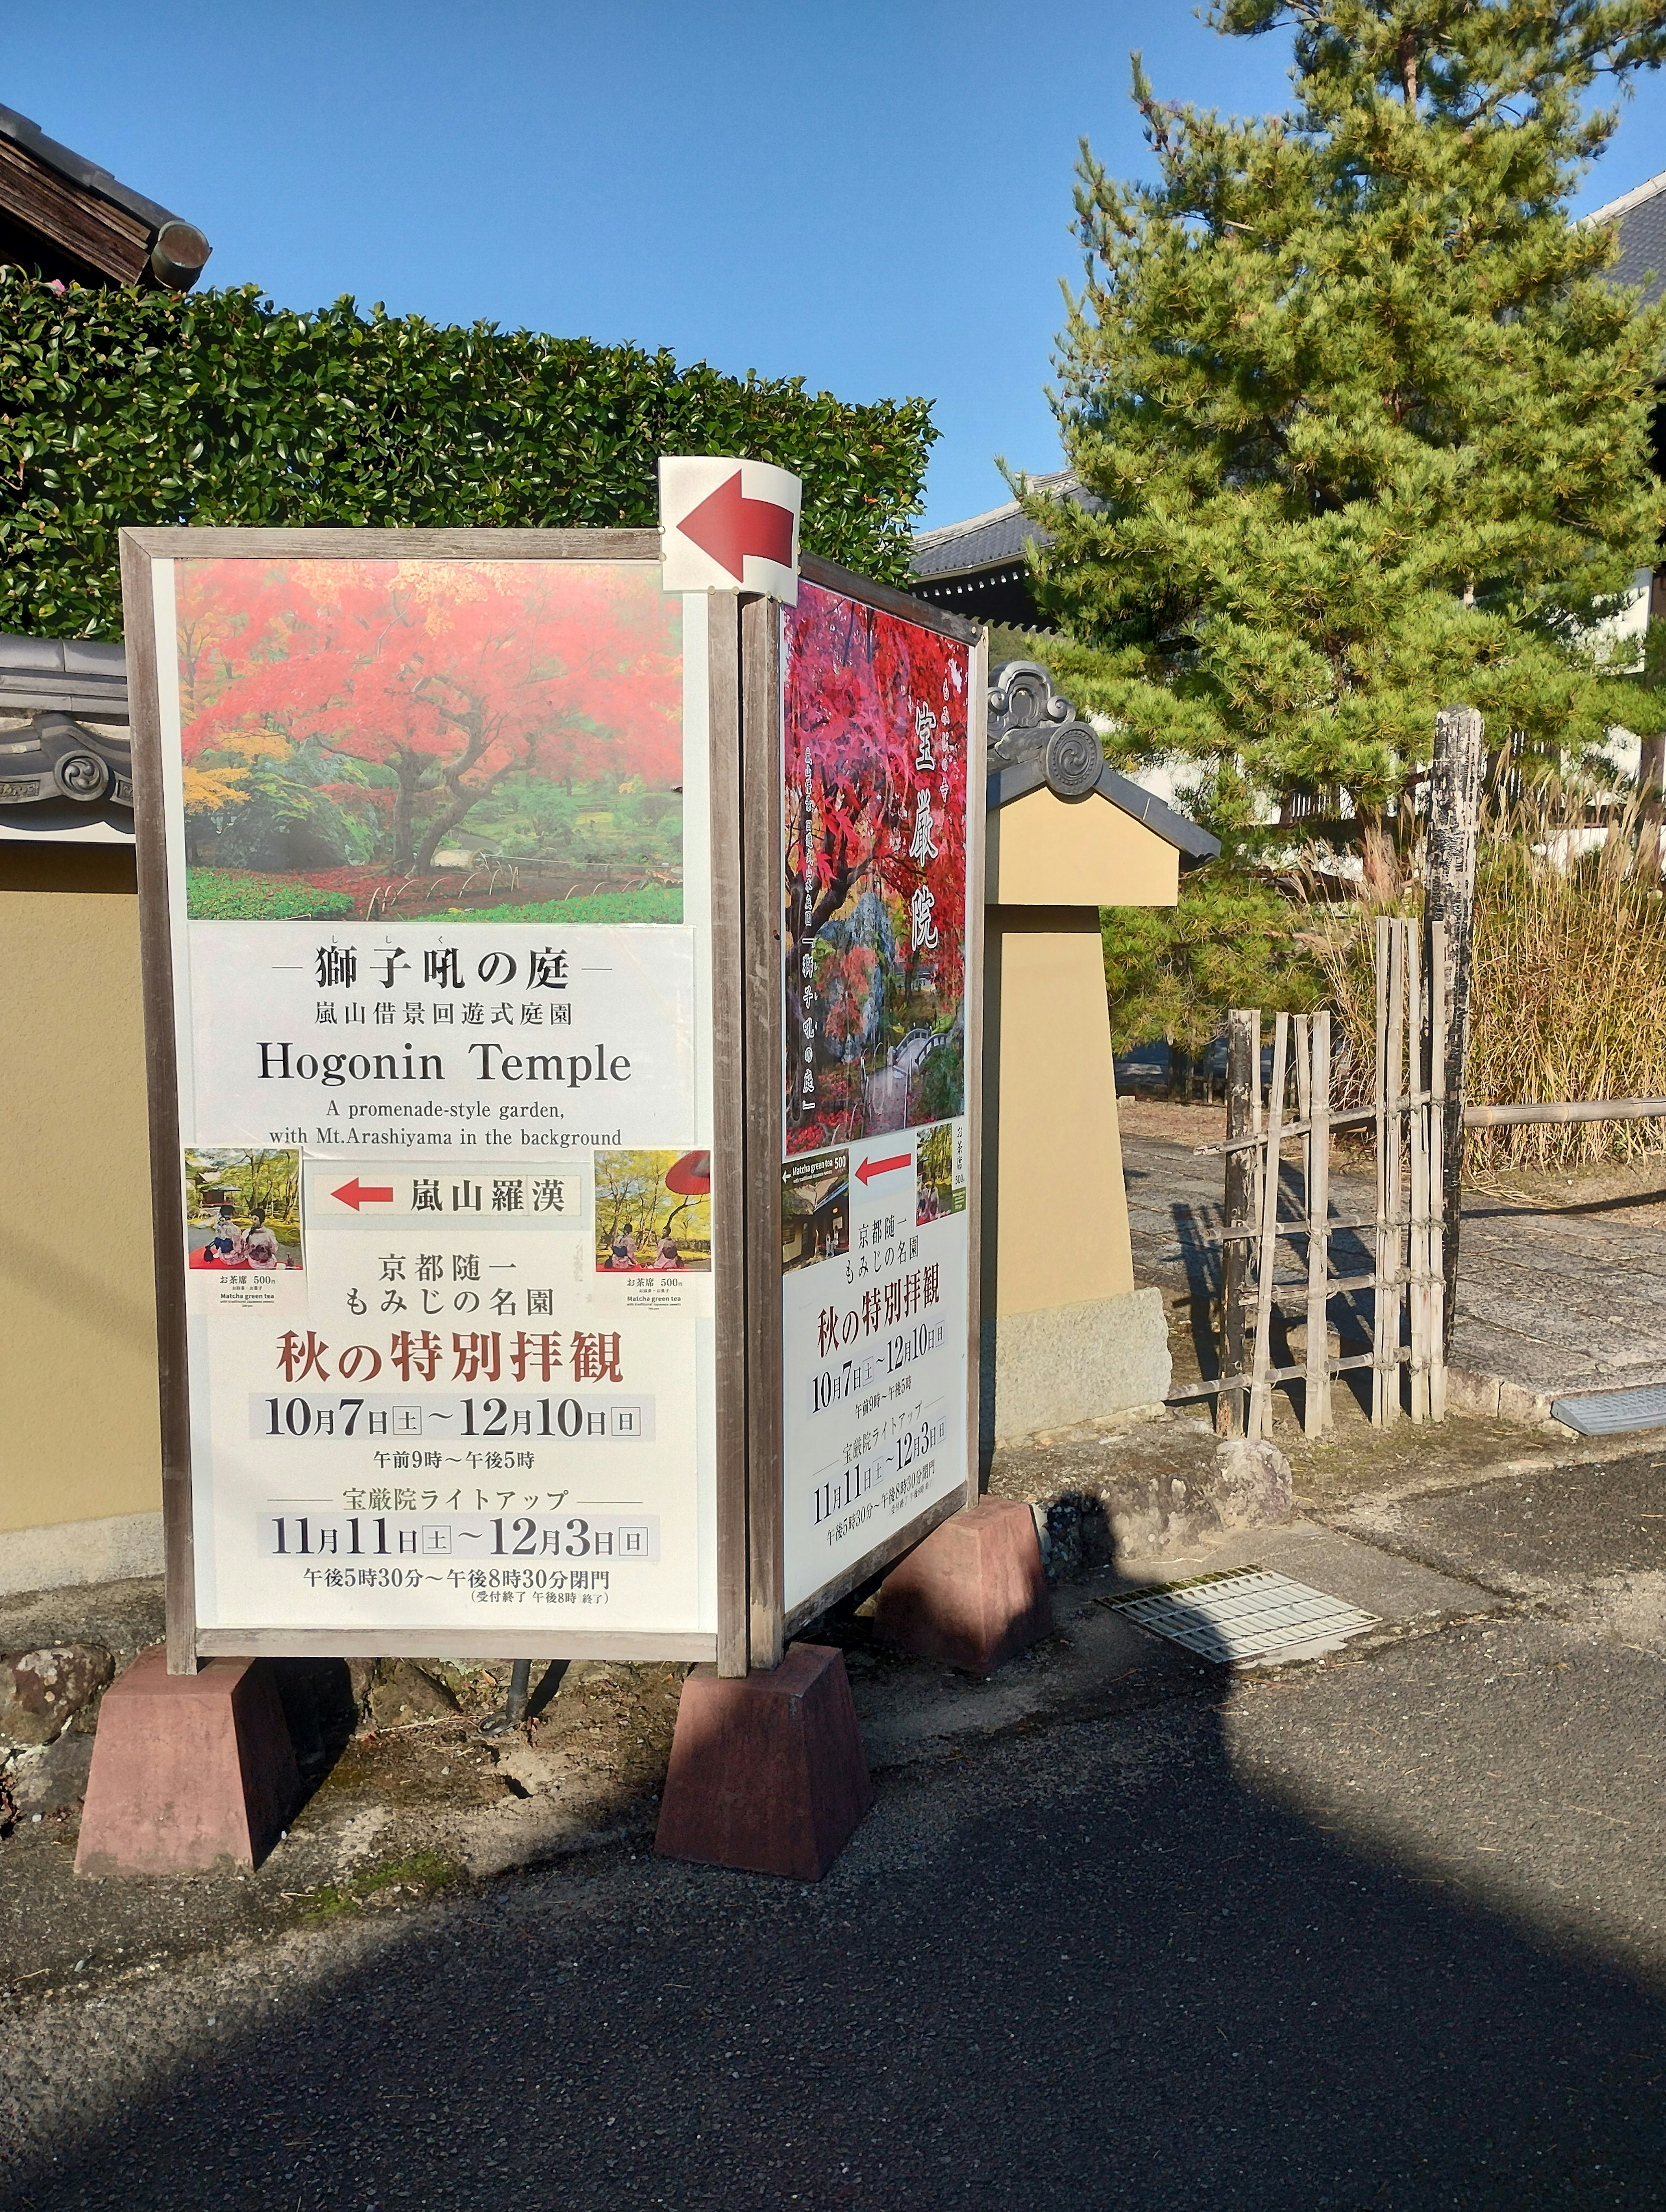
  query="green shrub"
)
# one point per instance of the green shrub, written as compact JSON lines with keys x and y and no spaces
{"x":122,"y":407}
{"x":943,"y":1079}
{"x":229,"y":895}
{"x":1173,"y":972}
{"x":655,"y":902}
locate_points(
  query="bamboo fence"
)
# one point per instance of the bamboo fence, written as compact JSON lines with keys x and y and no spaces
{"x":1406,"y":1280}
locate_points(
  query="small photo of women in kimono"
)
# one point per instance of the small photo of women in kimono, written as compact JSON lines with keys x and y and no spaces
{"x":259,"y":1245}
{"x":225,"y":1247}
{"x":623,"y":1254}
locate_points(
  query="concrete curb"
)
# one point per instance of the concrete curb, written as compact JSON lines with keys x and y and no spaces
{"x":1496,"y":1399}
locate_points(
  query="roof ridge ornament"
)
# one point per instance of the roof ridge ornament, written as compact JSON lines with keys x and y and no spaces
{"x":1032,"y":725}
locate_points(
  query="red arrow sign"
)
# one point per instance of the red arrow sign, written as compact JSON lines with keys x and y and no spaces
{"x":728,"y":525}
{"x":881,"y":1167}
{"x":356,"y":1194}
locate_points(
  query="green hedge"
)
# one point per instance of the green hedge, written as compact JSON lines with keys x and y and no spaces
{"x":230,"y":895}
{"x":126,"y":407}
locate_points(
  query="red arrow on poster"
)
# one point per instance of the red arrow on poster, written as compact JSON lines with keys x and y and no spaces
{"x":727,"y":522}
{"x":870,"y":1167}
{"x":356,"y":1194}
{"x":728,"y":525}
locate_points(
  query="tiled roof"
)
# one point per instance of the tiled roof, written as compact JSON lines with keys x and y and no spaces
{"x":984,"y":540}
{"x":1640,"y":215}
{"x":74,"y":675}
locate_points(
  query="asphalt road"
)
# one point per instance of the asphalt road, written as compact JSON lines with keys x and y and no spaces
{"x":1385,"y":1932}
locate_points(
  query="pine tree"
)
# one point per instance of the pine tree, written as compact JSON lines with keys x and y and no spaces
{"x":1367,"y":431}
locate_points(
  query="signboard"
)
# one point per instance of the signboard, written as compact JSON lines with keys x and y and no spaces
{"x":881,"y":825}
{"x":429,"y":904}
{"x":567,"y":1220}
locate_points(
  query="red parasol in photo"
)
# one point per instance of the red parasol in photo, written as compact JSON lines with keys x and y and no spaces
{"x":691,"y":1176}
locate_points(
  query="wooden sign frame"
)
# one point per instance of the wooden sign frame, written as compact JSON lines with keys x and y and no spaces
{"x":742,"y":652}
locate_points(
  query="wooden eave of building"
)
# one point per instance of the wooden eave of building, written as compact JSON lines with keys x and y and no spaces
{"x":63,"y":217}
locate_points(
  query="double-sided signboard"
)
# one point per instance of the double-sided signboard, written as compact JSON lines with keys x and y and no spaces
{"x":512,"y":1048}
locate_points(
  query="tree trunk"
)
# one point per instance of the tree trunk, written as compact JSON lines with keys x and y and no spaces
{"x":410,"y":767}
{"x":805,"y":923}
{"x":462,"y":803}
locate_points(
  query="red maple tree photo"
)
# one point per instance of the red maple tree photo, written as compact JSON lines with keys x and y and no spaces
{"x":429,"y":737}
{"x":874,"y":757}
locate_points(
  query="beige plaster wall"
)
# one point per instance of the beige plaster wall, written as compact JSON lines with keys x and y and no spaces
{"x":1054,"y":1212}
{"x":78,"y":1415}
{"x":1043,"y":851}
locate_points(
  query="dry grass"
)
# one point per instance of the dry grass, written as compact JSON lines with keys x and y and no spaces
{"x":1569,"y":994}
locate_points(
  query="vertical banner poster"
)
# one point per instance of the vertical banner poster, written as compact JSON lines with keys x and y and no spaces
{"x":438,"y":915}
{"x":875,"y":1226}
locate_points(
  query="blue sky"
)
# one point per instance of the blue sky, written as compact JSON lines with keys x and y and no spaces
{"x":873,"y":194}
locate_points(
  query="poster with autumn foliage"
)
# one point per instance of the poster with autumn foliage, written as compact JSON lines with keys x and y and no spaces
{"x":423,"y":740}
{"x":874,"y":763}
{"x":439,"y":948}
{"x":875,"y":1262}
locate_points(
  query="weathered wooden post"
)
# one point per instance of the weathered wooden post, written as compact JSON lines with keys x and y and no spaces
{"x":1242,"y":1094}
{"x":1316,"y":1395}
{"x":1448,"y":898}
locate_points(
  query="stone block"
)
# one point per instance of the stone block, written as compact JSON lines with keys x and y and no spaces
{"x":52,"y":1781}
{"x":767,"y":1771}
{"x":1526,"y":1407}
{"x":189,"y":1770}
{"x":70,"y":1554}
{"x":1469,"y":1391}
{"x":1252,"y":1484}
{"x":972,"y":1594}
{"x":1065,"y":1364}
{"x":42,"y":1691}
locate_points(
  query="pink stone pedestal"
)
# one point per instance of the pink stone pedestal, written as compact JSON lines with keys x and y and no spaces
{"x":972,"y":1594}
{"x":767,"y":1772}
{"x":189,"y":1770}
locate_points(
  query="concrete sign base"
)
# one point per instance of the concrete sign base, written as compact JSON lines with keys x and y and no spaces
{"x":189,"y":1770}
{"x":973,"y":1594}
{"x":767,"y":1772}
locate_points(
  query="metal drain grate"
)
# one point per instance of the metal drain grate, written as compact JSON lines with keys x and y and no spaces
{"x":1238,"y":1619}
{"x":1613,"y":1413}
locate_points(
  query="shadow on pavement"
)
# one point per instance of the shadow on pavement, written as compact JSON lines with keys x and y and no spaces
{"x":1084,"y":1968}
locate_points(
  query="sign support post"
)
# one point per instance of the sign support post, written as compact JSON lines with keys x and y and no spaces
{"x":729,"y":1130}
{"x":761,"y":774}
